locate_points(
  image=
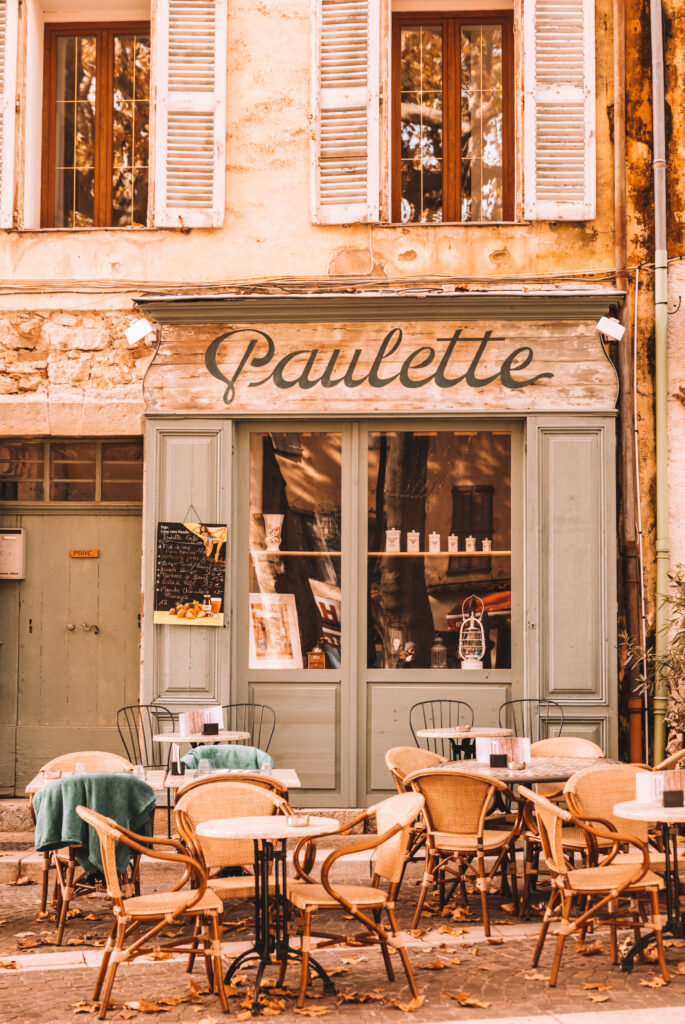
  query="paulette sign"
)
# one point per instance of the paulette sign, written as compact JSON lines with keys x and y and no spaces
{"x":373,"y":367}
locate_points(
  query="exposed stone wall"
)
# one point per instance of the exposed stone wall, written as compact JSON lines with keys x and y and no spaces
{"x":70,"y":372}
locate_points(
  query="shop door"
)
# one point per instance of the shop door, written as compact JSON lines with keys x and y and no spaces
{"x":70,"y":630}
{"x":340,"y":633}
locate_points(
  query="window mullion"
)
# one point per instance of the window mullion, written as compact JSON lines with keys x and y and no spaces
{"x":100,"y":177}
{"x":455,"y":119}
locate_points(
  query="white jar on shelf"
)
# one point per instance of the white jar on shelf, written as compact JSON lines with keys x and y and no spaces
{"x":434,"y":543}
{"x":414,"y":541}
{"x":392,"y":540}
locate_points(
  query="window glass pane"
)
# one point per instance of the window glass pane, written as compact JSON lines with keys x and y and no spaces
{"x":429,"y":491}
{"x":130,"y":129}
{"x":122,"y":471}
{"x":481,"y":122}
{"x":21,"y":470}
{"x":74,"y":113}
{"x":72,"y":471}
{"x":421,"y":104}
{"x":295,"y":516}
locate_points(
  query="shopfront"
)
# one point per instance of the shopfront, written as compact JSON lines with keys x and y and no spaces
{"x":387,"y":465}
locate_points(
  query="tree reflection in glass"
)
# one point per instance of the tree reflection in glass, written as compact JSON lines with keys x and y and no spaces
{"x":439,"y":482}
{"x":421,"y":123}
{"x":74,"y":157}
{"x":481,"y":122}
{"x":130,"y":129}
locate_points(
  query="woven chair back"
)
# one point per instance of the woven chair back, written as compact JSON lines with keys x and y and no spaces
{"x":257,"y":719}
{"x":137,"y":724}
{"x":92,"y":760}
{"x":109,"y":835}
{"x":672,"y":761}
{"x":594,"y":791}
{"x":565,"y":746}
{"x":536,"y":719}
{"x":402,"y":761}
{"x":227,"y":800}
{"x":438,"y":714}
{"x":456,"y":802}
{"x":402,"y":809}
{"x":244,"y":779}
{"x":550,"y":818}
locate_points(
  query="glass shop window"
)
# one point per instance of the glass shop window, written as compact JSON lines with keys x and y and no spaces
{"x":439,"y":547}
{"x":295,"y":550}
{"x":96,"y":126}
{"x":65,"y":471}
{"x":453,"y":117}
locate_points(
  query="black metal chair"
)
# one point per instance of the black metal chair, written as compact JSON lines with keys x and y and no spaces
{"x":257,"y":719}
{"x":441,"y":714}
{"x":137,"y":724}
{"x":536,"y":719}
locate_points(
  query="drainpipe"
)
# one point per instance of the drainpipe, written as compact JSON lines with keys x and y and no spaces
{"x":629,"y":537}
{"x":661,"y":365}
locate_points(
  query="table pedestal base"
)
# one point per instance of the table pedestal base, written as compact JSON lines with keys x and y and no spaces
{"x":675,"y":920}
{"x":271,"y":943}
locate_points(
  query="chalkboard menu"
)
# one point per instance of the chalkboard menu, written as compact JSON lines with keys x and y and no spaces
{"x":190,"y":574}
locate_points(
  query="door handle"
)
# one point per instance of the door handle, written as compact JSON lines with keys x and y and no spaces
{"x":90,"y":627}
{"x":71,"y":627}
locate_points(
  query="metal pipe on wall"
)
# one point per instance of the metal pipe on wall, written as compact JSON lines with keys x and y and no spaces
{"x":629,"y":535}
{"x":661,"y":364}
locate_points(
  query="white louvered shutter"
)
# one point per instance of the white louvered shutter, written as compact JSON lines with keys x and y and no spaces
{"x":190,"y":129}
{"x":559,"y":118}
{"x":8,"y":83}
{"x":345,"y":82}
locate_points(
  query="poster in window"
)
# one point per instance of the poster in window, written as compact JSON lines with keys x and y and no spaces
{"x":274,"y":640}
{"x":190,"y":574}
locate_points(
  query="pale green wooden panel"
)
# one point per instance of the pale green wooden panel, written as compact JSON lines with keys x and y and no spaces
{"x":189,"y":465}
{"x":10,"y":594}
{"x":572,"y":570}
{"x":388,"y":718}
{"x":307,"y":735}
{"x":591,"y":727}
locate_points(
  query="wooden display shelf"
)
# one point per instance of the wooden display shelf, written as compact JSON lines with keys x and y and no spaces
{"x":437,"y":554}
{"x":302,"y":554}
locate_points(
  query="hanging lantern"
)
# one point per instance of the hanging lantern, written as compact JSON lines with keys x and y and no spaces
{"x":471,"y":633}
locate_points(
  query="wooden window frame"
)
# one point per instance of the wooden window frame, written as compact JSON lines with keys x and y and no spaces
{"x":104,"y":100}
{"x":451,"y":23}
{"x":10,"y":504}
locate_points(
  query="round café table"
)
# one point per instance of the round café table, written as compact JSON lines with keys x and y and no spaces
{"x":672,"y":820}
{"x":463,"y":733}
{"x":269,"y":834}
{"x":538,"y":769}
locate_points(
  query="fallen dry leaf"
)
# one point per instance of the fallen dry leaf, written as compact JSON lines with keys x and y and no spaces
{"x":351,"y":959}
{"x":8,"y":965}
{"x":143,"y":1006}
{"x":409,"y":1007}
{"x":680,"y":967}
{"x":495,"y":940}
{"x":475,"y":951}
{"x":207,"y":1020}
{"x":44,"y":915}
{"x":597,"y":986}
{"x":312,"y":1011}
{"x":466,"y":999}
{"x":245,"y":1015}
{"x":361,"y":997}
{"x":171,"y":1000}
{"x":23,"y":880}
{"x":417,"y":933}
{"x":436,"y":965}
{"x":332,"y":971}
{"x":92,"y":917}
{"x":462,"y":914}
{"x":74,"y":912}
{"x":535,"y":976}
{"x":654,"y":982}
{"x":128,"y":1014}
{"x":598,"y":998}
{"x":84,"y":1006}
{"x":508,"y":908}
{"x":446,"y":929}
{"x":589,"y":948}
{"x":159,"y":954}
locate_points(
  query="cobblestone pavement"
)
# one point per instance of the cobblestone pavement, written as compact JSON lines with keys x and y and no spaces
{"x":50,"y":982}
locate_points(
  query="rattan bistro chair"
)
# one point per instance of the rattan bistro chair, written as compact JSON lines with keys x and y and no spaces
{"x":401,"y":762}
{"x":257,"y":719}
{"x":628,"y":893}
{"x":364,"y":903}
{"x":670,"y":762}
{"x":137,"y":724}
{"x":245,"y":778}
{"x":440,"y":714}
{"x":457,"y":804}
{"x":536,"y":719}
{"x":63,"y":862}
{"x":157,"y":910}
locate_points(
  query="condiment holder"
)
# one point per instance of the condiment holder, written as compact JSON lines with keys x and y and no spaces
{"x":498,"y":760}
{"x":178,"y":769}
{"x":516,"y":766}
{"x":673,"y":798}
{"x":210,"y":729}
{"x":297,"y":820}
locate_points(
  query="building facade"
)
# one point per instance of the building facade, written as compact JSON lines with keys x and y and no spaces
{"x":373,"y":241}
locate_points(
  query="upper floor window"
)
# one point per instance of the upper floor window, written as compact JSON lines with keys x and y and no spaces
{"x":96,"y":125}
{"x":71,"y":470}
{"x":453,"y":117}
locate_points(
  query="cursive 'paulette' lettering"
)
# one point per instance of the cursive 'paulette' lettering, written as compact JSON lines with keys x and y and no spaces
{"x":299,"y":369}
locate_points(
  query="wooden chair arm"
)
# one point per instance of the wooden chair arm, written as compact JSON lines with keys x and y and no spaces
{"x":345,"y":851}
{"x":310,"y":845}
{"x":616,"y":838}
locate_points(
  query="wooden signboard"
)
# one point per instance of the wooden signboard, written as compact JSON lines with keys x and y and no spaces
{"x":190,"y":574}
{"x":375,"y":367}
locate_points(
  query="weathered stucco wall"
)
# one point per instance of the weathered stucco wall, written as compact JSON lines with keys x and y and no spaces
{"x":268,"y":231}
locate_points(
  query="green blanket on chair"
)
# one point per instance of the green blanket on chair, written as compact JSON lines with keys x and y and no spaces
{"x":229,"y":755}
{"x":126,"y":799}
